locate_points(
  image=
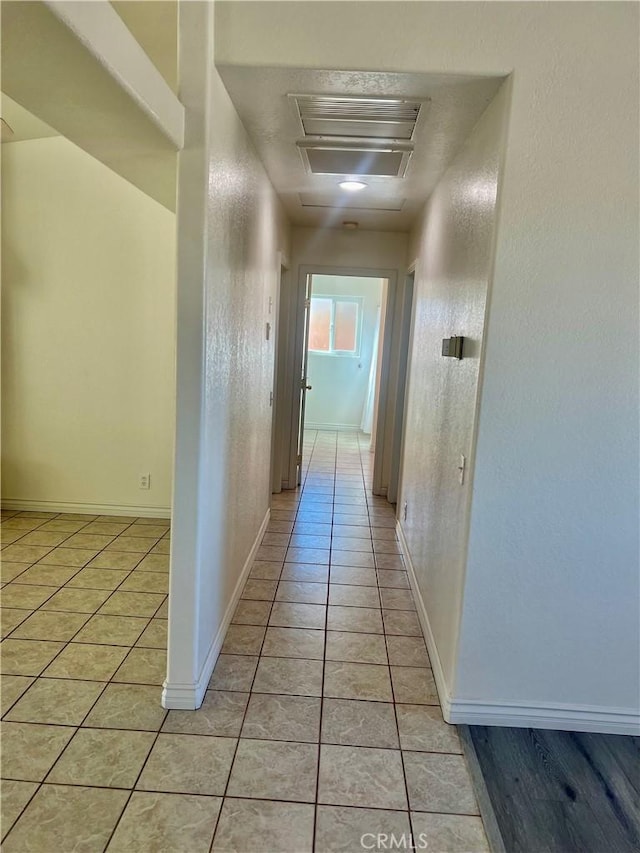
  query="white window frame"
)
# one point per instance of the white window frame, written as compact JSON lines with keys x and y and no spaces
{"x":335,"y":298}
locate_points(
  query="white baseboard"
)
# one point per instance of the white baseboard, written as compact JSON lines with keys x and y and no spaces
{"x":188,"y":697}
{"x":144,"y":511}
{"x":471,"y":712}
{"x":436,"y":665}
{"x":572,"y":718}
{"x":332,"y":427}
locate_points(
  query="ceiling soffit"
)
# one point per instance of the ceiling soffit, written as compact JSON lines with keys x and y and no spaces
{"x":398,"y":132}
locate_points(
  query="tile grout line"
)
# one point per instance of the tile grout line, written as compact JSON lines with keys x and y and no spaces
{"x":65,"y":645}
{"x":246,"y":709}
{"x":324,"y":665}
{"x":223,"y":736}
{"x":299,"y":507}
{"x":81,"y":726}
{"x":262,"y":799}
{"x":132,"y":790}
{"x":66,"y":539}
{"x":106,"y":685}
{"x":393,"y":696}
{"x":95,"y":589}
{"x":395,"y":710}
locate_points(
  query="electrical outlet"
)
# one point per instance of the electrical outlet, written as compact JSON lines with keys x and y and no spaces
{"x":144,"y":481}
{"x":404,"y":510}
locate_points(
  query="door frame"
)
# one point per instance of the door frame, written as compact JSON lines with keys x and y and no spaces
{"x":406,"y":319}
{"x":412,"y":270}
{"x":278,"y":328}
{"x":290,"y":462}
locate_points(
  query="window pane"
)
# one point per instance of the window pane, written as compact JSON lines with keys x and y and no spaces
{"x":346,"y":326}
{"x":320,"y":324}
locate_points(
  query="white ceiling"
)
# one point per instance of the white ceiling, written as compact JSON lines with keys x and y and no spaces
{"x":260,"y":96}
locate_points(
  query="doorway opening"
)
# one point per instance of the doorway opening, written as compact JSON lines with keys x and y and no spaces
{"x":345,"y":335}
{"x":342,"y":357}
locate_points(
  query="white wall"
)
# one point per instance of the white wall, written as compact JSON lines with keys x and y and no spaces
{"x":550,"y":611}
{"x":339,"y":247}
{"x":453,"y":243}
{"x":230,"y":229}
{"x":87,"y":334}
{"x":340,"y":382}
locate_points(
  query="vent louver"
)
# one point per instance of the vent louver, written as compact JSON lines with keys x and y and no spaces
{"x":365,"y":118}
{"x":354,"y":136}
{"x":355,"y":159}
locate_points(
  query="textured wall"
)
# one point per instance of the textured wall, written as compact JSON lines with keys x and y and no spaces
{"x":454,"y":247}
{"x":87,"y":332}
{"x":551,"y":600}
{"x":230,"y":228}
{"x":242,"y":273}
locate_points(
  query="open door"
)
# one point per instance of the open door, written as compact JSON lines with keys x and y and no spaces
{"x":304,"y":387}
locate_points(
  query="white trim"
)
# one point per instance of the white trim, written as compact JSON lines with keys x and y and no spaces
{"x":436,"y":665}
{"x":335,"y":427}
{"x":188,"y":697}
{"x":473,"y":712}
{"x":145,"y":511}
{"x":573,"y":718}
{"x":104,"y":34}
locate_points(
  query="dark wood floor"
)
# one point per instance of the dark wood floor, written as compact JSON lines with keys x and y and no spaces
{"x":557,"y":792}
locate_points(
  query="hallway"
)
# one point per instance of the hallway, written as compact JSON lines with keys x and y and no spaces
{"x":321,"y":720}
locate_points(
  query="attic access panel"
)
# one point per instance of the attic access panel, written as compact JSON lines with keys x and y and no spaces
{"x":349,"y":116}
{"x":354,"y":160}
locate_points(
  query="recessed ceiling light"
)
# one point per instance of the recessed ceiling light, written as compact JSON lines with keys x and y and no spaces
{"x":352,"y":186}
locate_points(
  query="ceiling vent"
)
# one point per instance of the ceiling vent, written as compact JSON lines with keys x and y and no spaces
{"x":354,"y":136}
{"x":356,"y":159}
{"x":346,"y":116}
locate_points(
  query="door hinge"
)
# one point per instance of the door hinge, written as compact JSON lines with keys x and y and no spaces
{"x":299,"y":458}
{"x":307,"y":303}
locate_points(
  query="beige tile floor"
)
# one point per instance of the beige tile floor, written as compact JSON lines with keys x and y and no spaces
{"x":321,"y":728}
